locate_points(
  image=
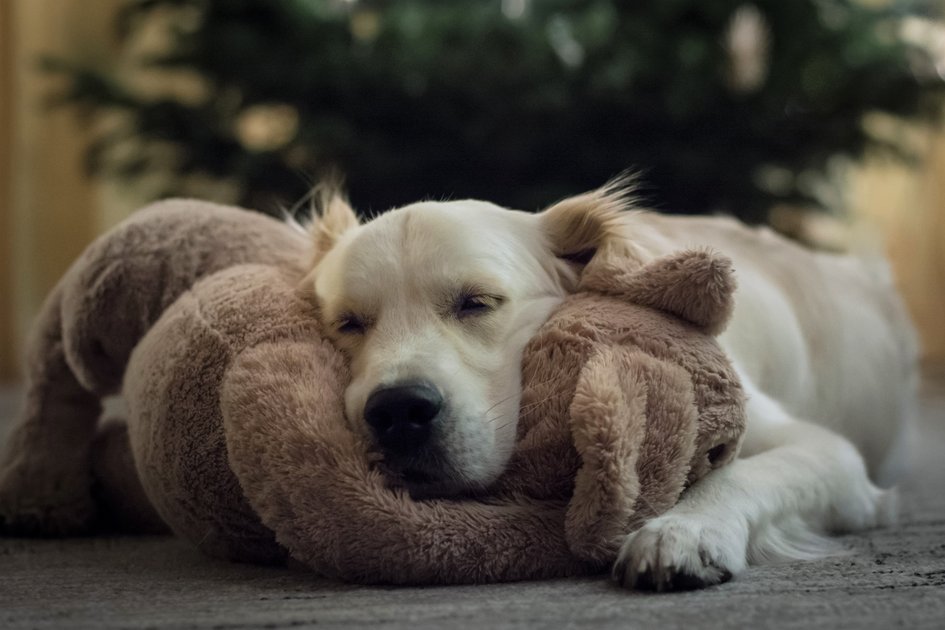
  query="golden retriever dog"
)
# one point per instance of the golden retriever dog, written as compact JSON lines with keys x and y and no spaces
{"x":434,"y":303}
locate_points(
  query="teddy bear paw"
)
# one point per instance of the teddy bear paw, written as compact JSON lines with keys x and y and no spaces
{"x":678,"y":553}
{"x":61,"y":506}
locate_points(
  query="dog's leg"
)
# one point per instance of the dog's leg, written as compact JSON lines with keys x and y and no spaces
{"x":795,"y":482}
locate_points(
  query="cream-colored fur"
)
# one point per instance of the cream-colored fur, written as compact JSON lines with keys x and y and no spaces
{"x":391,"y":292}
{"x":828,"y":359}
{"x":822,"y":342}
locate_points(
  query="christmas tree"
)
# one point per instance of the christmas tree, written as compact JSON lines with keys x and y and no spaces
{"x":722,"y":106}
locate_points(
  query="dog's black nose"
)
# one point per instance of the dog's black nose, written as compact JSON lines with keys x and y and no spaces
{"x":402,"y":416}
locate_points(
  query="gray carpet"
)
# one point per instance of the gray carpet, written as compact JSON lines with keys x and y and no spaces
{"x":893,"y":578}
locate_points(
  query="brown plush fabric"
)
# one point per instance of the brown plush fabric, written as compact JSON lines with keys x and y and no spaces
{"x":85,"y":332}
{"x":239,"y":441}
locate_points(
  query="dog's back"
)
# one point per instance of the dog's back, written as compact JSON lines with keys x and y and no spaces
{"x":826,"y":335}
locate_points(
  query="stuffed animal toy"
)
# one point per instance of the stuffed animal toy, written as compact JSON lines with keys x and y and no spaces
{"x":236,"y":438}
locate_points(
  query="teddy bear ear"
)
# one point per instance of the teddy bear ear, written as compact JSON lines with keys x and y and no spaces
{"x":696,"y":285}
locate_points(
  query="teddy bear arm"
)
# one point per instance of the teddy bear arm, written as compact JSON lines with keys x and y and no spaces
{"x":633,"y":420}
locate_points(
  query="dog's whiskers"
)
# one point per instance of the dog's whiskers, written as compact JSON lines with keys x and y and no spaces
{"x":527,"y":407}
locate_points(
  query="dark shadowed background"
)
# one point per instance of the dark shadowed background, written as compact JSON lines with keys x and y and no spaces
{"x":817,"y":116}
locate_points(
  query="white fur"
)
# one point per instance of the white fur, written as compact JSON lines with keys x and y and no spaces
{"x":400,"y":272}
{"x":821,"y":342}
{"x":827,"y":357}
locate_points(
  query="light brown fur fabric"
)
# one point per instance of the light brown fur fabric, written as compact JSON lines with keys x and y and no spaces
{"x":237,"y":431}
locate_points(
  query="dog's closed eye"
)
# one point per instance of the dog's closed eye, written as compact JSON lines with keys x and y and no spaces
{"x":474,"y":303}
{"x":350,"y":324}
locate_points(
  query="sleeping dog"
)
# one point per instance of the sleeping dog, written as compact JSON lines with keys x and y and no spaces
{"x":434,"y":303}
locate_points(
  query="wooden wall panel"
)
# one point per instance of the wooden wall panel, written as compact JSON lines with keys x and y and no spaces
{"x":7,"y":333}
{"x":907,"y":209}
{"x":51,"y":206}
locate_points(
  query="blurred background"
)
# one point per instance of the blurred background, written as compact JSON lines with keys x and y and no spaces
{"x":821,"y":118}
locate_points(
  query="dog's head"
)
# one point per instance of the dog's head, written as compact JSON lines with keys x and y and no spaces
{"x":434,"y":303}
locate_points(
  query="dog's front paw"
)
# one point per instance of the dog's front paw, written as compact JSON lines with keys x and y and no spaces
{"x":681,"y":552}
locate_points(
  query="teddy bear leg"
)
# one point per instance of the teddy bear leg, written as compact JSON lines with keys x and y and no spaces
{"x":124,"y":505}
{"x":45,"y":469}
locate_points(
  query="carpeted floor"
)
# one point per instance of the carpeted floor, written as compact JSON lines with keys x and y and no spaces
{"x":893,"y":578}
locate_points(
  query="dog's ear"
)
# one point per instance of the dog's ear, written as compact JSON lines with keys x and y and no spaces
{"x":334,"y":218}
{"x":593,"y":225}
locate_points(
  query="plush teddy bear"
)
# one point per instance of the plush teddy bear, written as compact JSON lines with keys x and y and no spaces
{"x":236,"y":440}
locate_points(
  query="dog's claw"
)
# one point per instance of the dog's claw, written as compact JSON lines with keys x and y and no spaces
{"x":676,"y":579}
